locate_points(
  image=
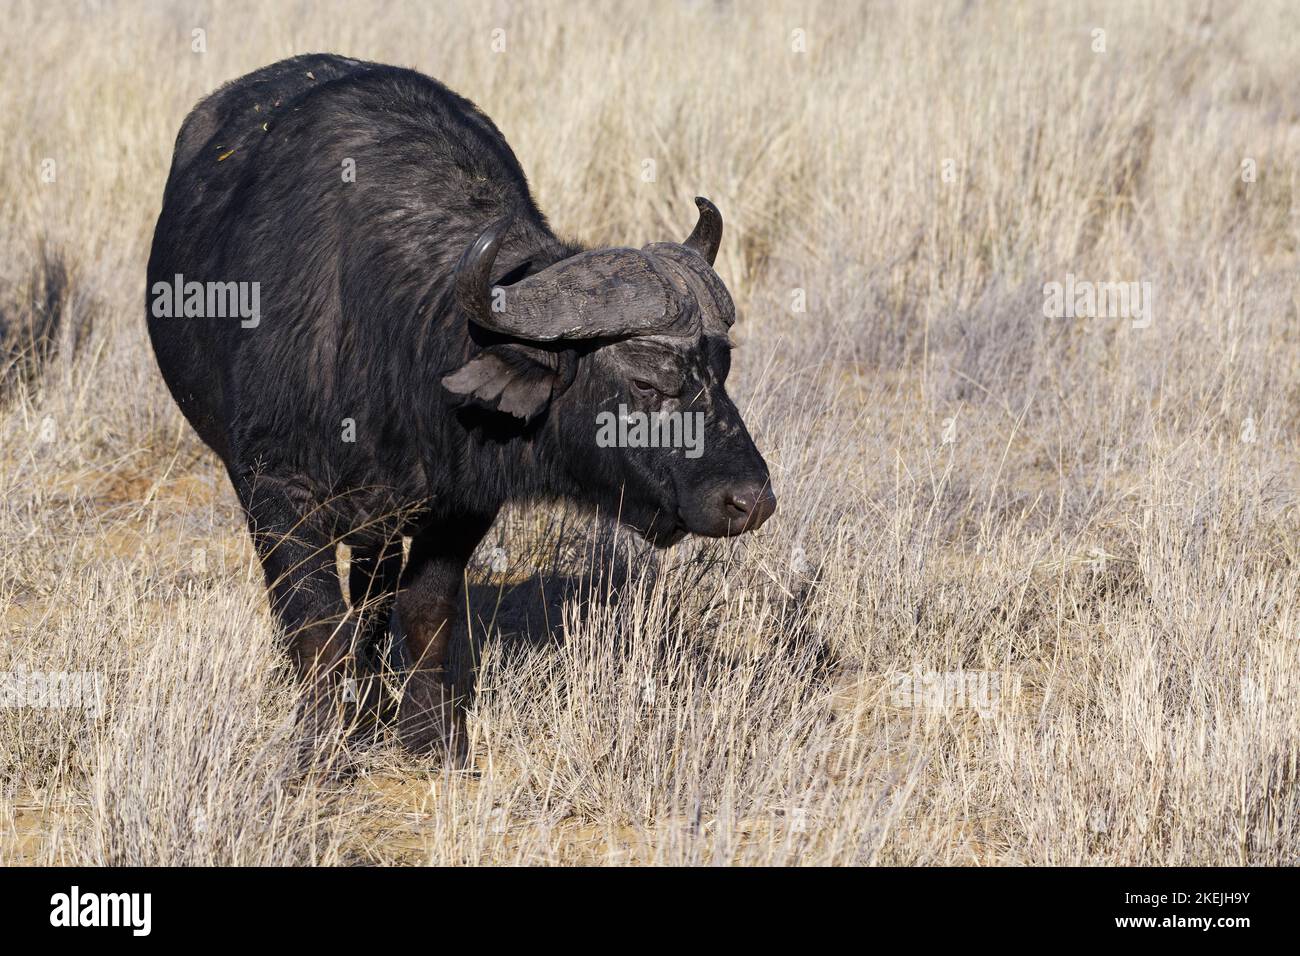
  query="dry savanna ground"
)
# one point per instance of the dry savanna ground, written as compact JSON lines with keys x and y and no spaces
{"x":1032,"y":594}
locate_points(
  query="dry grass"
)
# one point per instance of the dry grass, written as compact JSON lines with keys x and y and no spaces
{"x":1100,"y":543}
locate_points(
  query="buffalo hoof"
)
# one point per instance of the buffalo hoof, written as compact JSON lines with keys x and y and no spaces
{"x":337,"y":714}
{"x":321,"y":730}
{"x":429,"y":723}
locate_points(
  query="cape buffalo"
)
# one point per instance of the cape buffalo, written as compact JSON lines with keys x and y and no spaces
{"x":359,"y":307}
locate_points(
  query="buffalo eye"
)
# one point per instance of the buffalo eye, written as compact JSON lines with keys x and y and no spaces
{"x":642,"y":387}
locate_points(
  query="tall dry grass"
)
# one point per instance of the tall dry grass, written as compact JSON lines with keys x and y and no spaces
{"x":1096,"y":521}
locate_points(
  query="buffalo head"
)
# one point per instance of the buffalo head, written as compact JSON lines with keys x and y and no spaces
{"x":626,"y":351}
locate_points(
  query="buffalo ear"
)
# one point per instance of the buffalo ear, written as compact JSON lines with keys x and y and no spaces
{"x":510,"y":379}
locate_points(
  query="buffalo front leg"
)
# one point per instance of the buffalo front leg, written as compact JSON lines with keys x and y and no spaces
{"x":298,"y":561}
{"x":430,"y":718}
{"x":373,"y":580}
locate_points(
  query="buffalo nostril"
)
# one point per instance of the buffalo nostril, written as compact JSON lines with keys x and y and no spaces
{"x":738,"y":505}
{"x":747,"y":507}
